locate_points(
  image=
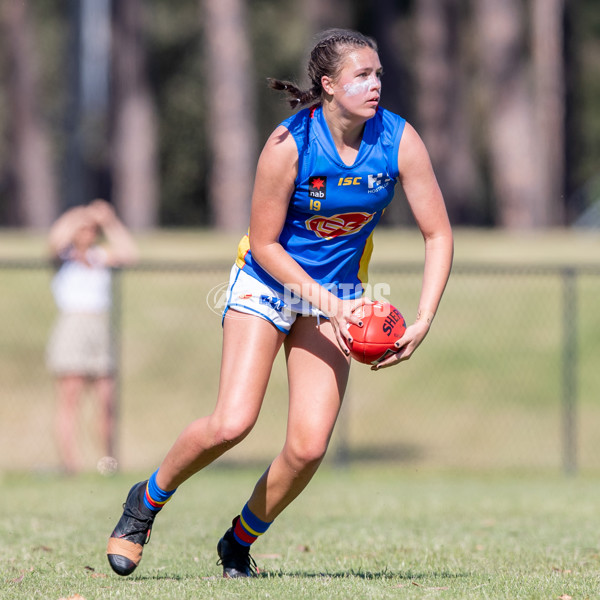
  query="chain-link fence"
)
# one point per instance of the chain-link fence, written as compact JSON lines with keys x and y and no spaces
{"x":508,"y":376}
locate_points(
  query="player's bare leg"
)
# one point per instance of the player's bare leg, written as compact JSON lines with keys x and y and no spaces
{"x":318,"y":374}
{"x":105,"y":390}
{"x":250,"y":345}
{"x":69,"y":390}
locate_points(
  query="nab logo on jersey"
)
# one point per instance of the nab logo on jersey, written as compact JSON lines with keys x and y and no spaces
{"x":317,"y":187}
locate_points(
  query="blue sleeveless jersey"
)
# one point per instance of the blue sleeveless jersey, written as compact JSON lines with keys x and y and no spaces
{"x":335,"y":207}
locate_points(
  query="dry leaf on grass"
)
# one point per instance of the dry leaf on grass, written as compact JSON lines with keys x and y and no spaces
{"x":22,"y":575}
{"x":429,"y":588}
{"x":559,"y":570}
{"x":94,"y":574}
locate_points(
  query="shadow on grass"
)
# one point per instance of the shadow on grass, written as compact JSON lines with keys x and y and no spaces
{"x":381,"y":453}
{"x":408,"y":576}
{"x":366,"y":575}
{"x":361,"y":453}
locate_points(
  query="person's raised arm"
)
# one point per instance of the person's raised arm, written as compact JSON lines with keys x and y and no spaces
{"x":121,"y":247}
{"x":64,"y":228}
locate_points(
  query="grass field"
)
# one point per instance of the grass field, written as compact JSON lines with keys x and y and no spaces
{"x":560,"y":246}
{"x":455,"y":489}
{"x":372,"y":533}
{"x":484,"y":391}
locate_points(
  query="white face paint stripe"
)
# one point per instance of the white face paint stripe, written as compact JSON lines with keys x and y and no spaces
{"x":354,"y":89}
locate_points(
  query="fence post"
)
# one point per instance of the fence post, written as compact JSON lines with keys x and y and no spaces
{"x":569,"y":370}
{"x":115,"y":339}
{"x":342,"y":455}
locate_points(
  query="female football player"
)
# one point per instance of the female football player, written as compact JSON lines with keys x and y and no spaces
{"x":323,"y":179}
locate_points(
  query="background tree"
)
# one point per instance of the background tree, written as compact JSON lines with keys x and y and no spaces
{"x":231,"y":105}
{"x":324,"y":14}
{"x":86,"y":62}
{"x":30,"y":167}
{"x":525,"y":117}
{"x":509,"y":116}
{"x":548,"y":55}
{"x":483,"y":81}
{"x":177,"y":75}
{"x":444,"y":103}
{"x":134,"y":136}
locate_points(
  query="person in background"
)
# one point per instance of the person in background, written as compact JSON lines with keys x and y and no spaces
{"x":79,"y":349}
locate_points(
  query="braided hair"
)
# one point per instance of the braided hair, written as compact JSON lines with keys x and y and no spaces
{"x":326,"y":59}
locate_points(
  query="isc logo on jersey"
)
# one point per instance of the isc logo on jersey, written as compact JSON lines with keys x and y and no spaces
{"x":349,"y":181}
{"x":336,"y":225}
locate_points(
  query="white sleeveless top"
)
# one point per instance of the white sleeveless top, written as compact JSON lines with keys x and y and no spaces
{"x":81,"y":288}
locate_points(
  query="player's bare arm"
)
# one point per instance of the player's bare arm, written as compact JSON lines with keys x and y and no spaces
{"x":427,"y":205}
{"x":273,"y":187}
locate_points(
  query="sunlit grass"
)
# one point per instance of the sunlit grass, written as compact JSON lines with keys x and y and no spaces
{"x":484,"y":390}
{"x":358,"y":533}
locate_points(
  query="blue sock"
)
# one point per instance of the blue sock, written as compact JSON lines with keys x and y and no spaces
{"x":155,"y":498}
{"x":248,"y":527}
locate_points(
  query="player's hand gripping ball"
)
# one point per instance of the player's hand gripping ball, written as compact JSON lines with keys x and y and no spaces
{"x":383,"y":325}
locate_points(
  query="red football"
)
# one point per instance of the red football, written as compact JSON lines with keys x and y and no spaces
{"x":382,"y":326}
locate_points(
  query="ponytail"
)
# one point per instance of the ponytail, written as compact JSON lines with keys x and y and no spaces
{"x":326,"y":59}
{"x":296,"y":96}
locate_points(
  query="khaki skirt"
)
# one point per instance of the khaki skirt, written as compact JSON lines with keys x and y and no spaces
{"x":80,"y":344}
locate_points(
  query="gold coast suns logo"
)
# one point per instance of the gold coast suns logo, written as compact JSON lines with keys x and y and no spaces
{"x":336,"y":225}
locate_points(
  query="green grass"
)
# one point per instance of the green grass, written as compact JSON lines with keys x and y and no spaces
{"x":560,"y":246}
{"x":471,"y":505}
{"x":358,"y":533}
{"x":484,"y":391}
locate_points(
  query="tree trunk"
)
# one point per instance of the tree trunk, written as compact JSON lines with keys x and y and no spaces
{"x":548,"y":67}
{"x":134,"y":137}
{"x":323,"y":14}
{"x":389,"y":30}
{"x":512,"y":136}
{"x":443,"y":105}
{"x":231,"y":119}
{"x":31,"y":168}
